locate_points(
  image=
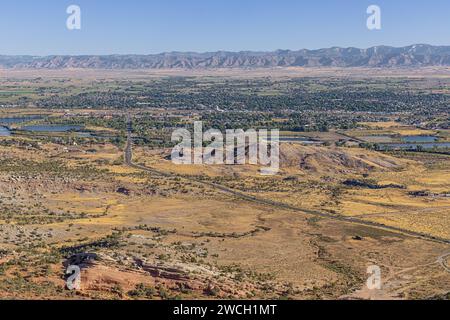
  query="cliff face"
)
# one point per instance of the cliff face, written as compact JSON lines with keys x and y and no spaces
{"x":380,"y":56}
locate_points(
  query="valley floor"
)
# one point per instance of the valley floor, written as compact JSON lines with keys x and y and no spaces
{"x":142,"y":235}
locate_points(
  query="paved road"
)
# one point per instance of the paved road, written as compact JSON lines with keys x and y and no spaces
{"x":129,"y":146}
{"x":276,"y":204}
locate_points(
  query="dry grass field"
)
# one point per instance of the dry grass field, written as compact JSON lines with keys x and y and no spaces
{"x":164,"y":237}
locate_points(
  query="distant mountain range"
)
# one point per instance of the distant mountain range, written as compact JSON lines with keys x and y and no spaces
{"x":379,"y":56}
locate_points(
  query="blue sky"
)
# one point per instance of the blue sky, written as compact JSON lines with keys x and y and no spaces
{"x":38,"y":27}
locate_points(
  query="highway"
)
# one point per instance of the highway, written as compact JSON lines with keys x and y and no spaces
{"x":129,"y":162}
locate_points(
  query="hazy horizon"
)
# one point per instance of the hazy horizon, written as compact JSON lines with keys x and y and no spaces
{"x":225,"y":51}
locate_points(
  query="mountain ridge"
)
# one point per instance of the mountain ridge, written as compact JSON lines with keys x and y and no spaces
{"x":378,"y":56}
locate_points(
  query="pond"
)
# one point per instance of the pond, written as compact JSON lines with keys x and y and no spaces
{"x":4,"y":132}
{"x":419,"y":139}
{"x":303,"y":140}
{"x":52,"y":128}
{"x":12,"y":120}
